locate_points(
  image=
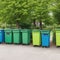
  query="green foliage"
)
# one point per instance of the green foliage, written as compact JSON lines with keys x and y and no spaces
{"x":23,"y":12}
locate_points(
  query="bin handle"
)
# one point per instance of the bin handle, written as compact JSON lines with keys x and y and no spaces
{"x":8,"y":33}
{"x":45,"y":34}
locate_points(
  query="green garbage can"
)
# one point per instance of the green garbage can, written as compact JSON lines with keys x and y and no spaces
{"x":8,"y":36}
{"x":36,"y":37}
{"x":25,"y":36}
{"x":17,"y":36}
{"x":58,"y":37}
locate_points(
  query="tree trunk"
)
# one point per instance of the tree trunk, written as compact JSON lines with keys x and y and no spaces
{"x":34,"y":21}
{"x":17,"y":24}
{"x":41,"y":24}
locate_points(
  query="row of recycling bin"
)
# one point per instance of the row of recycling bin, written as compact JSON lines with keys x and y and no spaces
{"x":25,"y":36}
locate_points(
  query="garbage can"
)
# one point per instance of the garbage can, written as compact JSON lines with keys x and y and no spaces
{"x":58,"y":37}
{"x":8,"y":36}
{"x":25,"y":36}
{"x":45,"y":36}
{"x":17,"y":36}
{"x":1,"y":35}
{"x":36,"y":37}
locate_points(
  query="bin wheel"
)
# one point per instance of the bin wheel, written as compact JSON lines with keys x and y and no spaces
{"x":58,"y":46}
{"x":45,"y":46}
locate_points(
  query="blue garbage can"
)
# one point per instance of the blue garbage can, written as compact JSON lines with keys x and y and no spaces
{"x":45,"y":36}
{"x":1,"y":35}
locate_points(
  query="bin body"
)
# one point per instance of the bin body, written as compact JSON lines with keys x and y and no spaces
{"x":1,"y":36}
{"x":25,"y":36}
{"x":16,"y":36}
{"x":45,"y":38}
{"x":8,"y":36}
{"x":57,"y":37}
{"x":36,"y":37}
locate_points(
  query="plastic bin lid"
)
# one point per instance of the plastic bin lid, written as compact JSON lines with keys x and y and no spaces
{"x":8,"y":30}
{"x":16,"y":30}
{"x":57,"y":29}
{"x":36,"y":30}
{"x":25,"y":30}
{"x":45,"y":31}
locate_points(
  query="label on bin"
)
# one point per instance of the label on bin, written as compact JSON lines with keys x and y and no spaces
{"x":8,"y":33}
{"x":45,"y":34}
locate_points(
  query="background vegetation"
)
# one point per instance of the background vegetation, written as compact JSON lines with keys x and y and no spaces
{"x":30,"y":14}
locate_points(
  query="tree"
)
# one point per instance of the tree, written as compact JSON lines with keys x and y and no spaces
{"x":14,"y":11}
{"x":21,"y":12}
{"x":40,"y":11}
{"x":56,"y":12}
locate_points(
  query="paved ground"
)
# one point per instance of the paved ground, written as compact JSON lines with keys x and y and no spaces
{"x":21,"y":52}
{"x":24,"y":52}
